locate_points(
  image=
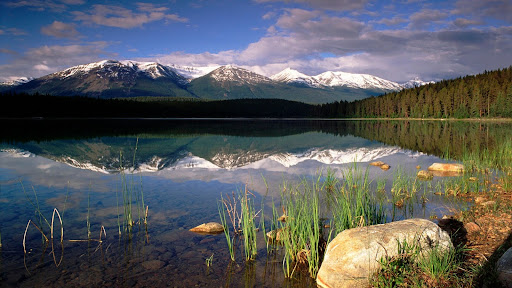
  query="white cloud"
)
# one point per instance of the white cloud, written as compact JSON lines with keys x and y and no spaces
{"x":426,"y":17}
{"x":339,"y":5}
{"x":497,"y":9}
{"x":116,"y":16}
{"x":44,"y":5}
{"x":12,"y":31}
{"x":48,"y":59}
{"x":60,"y":30}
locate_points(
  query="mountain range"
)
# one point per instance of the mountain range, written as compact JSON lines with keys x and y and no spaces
{"x":115,"y":79}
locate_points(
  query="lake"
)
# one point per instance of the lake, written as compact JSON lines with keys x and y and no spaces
{"x":99,"y":173}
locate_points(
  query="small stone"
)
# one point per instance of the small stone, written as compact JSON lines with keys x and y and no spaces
{"x":209,"y":228}
{"x":153,"y":264}
{"x":385,"y":167}
{"x":377,"y":163}
{"x":425,"y":175}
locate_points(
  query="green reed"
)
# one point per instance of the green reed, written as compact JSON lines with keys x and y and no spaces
{"x":354,"y":205}
{"x":132,"y":197}
{"x":248,"y":225}
{"x":222,"y":213}
{"x":302,"y":229}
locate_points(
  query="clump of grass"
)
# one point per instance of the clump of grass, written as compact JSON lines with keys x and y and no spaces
{"x":132,"y":197}
{"x":302,"y":230}
{"x":353,"y":205}
{"x":413,"y":267}
{"x":248,"y":226}
{"x":242,"y":214}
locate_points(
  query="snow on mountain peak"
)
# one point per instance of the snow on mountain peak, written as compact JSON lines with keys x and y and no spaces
{"x":333,"y":79}
{"x":238,"y":75}
{"x":190,"y":72}
{"x":16,"y":82}
{"x":416,"y":82}
{"x":290,"y":75}
{"x":364,"y":81}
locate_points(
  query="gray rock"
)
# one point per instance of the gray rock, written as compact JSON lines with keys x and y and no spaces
{"x":504,"y":268}
{"x":352,"y":257}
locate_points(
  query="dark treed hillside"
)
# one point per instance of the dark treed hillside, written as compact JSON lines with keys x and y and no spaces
{"x":484,"y":95}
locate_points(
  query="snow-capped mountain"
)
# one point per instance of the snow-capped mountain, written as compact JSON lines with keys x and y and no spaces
{"x":230,"y":73}
{"x":17,"y":82}
{"x":116,"y":79}
{"x":190,"y":72}
{"x":352,"y":80}
{"x":416,"y":82}
{"x":110,"y":78}
{"x":336,"y":79}
{"x":121,"y":70}
{"x":291,"y":76}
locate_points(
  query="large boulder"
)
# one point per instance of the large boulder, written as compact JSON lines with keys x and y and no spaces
{"x":504,"y":268}
{"x":352,"y":257}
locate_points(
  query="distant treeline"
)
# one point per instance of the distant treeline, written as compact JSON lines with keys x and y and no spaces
{"x":484,"y":95}
{"x":25,"y":105}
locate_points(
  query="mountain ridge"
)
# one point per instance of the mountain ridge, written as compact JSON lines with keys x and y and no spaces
{"x":128,"y":78}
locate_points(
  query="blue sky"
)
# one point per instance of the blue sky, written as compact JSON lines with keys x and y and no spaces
{"x":396,"y":40}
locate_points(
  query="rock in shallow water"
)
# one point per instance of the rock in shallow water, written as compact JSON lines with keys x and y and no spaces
{"x":425,"y":175}
{"x":352,"y":257}
{"x":453,"y":167}
{"x":209,"y":228}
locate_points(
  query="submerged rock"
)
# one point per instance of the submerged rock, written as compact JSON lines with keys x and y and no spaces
{"x":446,"y":167}
{"x":209,"y":228}
{"x":425,"y":175}
{"x":504,"y":268}
{"x":153,"y":264}
{"x":353,"y":256}
{"x":276,"y":235}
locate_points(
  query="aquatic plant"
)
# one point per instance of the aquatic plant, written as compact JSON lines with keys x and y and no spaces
{"x":248,"y":226}
{"x":222,"y":213}
{"x":302,"y":230}
{"x":132,"y":197}
{"x":353,"y":203}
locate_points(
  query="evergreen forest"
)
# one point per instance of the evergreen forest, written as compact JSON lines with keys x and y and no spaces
{"x":484,"y":95}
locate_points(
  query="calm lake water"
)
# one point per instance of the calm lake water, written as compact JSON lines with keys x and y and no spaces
{"x":182,"y":168}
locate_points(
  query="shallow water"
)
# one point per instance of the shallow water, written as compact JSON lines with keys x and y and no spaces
{"x":182,"y":168}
